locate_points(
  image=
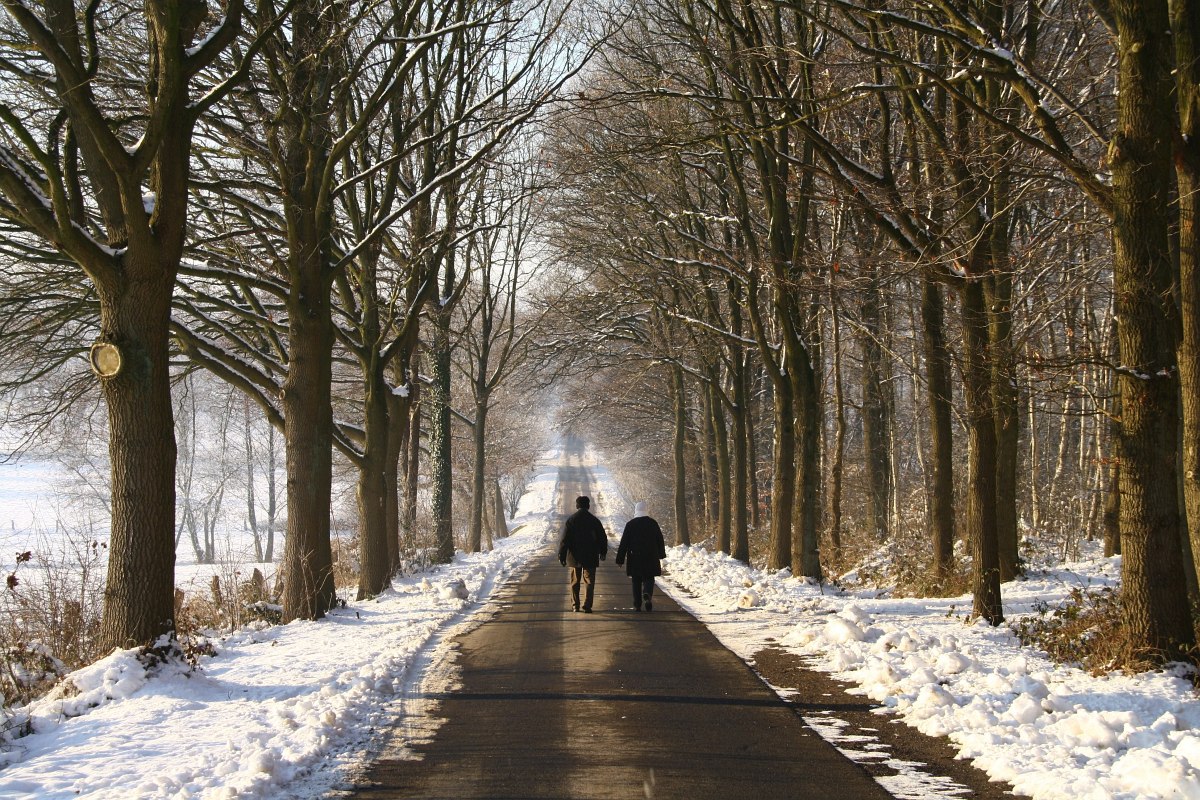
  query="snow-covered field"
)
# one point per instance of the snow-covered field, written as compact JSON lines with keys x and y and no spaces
{"x":293,"y":711}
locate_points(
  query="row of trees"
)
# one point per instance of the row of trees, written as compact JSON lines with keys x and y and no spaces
{"x":282,"y":194}
{"x":753,"y":187}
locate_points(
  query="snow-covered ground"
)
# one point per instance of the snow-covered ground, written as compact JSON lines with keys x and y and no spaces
{"x":293,"y":711}
{"x":281,"y":712}
{"x":1051,"y":731}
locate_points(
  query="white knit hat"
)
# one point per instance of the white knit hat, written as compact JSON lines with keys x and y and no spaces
{"x":639,"y":509}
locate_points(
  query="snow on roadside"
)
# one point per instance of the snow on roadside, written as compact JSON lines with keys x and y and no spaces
{"x":280,"y":711}
{"x":1053,"y":732}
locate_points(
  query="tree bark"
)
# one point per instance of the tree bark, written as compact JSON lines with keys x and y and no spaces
{"x":981,"y":456}
{"x":373,"y":489}
{"x":478,"y":473}
{"x":783,"y":483}
{"x":1185,"y":29}
{"x":741,"y":460}
{"x":300,"y":144}
{"x":876,"y":436}
{"x":308,"y":588}
{"x":139,"y":596}
{"x":805,"y":555}
{"x":397,"y":445}
{"x":837,"y":459}
{"x":440,"y":466}
{"x":500,"y":522}
{"x":998,"y":295}
{"x":1140,"y":155}
{"x":725,"y":476}
{"x":679,"y":398}
{"x":941,"y":432}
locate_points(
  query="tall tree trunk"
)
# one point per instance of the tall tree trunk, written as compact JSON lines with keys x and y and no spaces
{"x":1140,"y":155}
{"x":876,"y":436}
{"x":708,"y":462}
{"x":725,"y":476}
{"x":397,"y":445}
{"x":500,"y":523}
{"x":981,"y":456}
{"x":752,"y":489}
{"x":412,"y":465}
{"x":478,"y":473}
{"x":941,"y":431}
{"x":272,"y":495}
{"x":139,"y":597}
{"x":836,"y":466}
{"x":742,"y":465}
{"x":1185,"y":28}
{"x":373,"y":489}
{"x":89,"y":167}
{"x":783,"y":484}
{"x":441,"y":467}
{"x":998,"y":295}
{"x":679,"y":398}
{"x":308,"y":589}
{"x":300,"y":141}
{"x":805,"y":556}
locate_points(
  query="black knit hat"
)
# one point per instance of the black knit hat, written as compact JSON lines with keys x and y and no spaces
{"x":583,"y":502}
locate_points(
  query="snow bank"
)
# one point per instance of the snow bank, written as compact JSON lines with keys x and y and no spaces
{"x":1053,"y":732}
{"x":283,"y":711}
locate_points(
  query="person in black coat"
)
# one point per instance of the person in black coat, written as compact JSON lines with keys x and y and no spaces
{"x":584,"y":545}
{"x":640,"y":550}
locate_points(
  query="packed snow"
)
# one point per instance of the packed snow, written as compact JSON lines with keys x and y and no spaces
{"x":295,"y":711}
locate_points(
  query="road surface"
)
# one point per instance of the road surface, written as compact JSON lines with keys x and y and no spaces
{"x":613,"y":704}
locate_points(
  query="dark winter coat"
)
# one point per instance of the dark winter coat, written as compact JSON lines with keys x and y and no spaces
{"x":584,"y":542}
{"x":641,"y":548}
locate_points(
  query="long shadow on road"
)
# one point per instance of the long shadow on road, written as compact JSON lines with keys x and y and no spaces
{"x":615,"y":704}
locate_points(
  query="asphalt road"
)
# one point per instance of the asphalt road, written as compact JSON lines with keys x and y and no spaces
{"x":614,"y":704}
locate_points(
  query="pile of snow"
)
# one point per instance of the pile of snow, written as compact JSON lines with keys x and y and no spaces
{"x":1051,"y":731}
{"x":280,"y":711}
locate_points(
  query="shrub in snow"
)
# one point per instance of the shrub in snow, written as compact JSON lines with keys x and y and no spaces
{"x":1084,"y":629}
{"x":28,"y":670}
